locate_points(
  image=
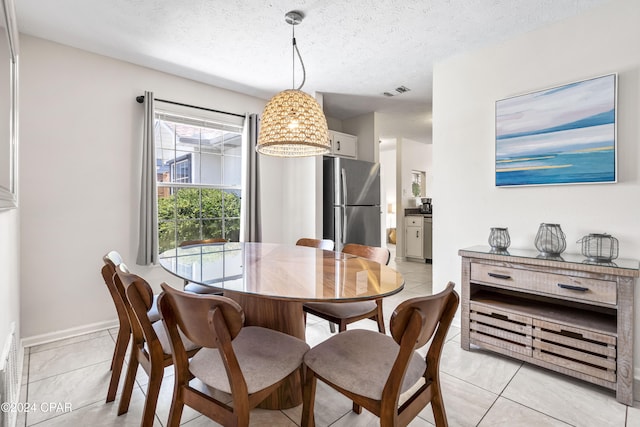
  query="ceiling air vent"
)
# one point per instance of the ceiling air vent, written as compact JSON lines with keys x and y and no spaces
{"x":397,"y":91}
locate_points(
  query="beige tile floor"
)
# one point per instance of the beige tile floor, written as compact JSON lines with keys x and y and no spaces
{"x":479,"y":388}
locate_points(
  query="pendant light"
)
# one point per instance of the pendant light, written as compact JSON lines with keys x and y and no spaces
{"x":292,"y":123}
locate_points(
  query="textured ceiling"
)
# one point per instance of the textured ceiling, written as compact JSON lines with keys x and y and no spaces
{"x":353,"y":50}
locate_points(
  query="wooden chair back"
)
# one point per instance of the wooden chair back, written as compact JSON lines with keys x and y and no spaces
{"x":202,"y":242}
{"x":373,"y":253}
{"x":193,"y":315}
{"x":146,"y":348}
{"x":432,"y":310}
{"x":140,"y":299}
{"x":325,"y":244}
{"x":412,"y":325}
{"x":112,"y":261}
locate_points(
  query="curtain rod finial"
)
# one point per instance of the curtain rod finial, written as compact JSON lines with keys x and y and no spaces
{"x":140,"y":99}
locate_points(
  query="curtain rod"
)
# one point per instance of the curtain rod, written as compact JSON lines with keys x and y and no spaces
{"x":140,"y":100}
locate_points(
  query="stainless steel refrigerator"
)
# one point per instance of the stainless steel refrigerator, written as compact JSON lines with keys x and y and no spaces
{"x":351,"y":201}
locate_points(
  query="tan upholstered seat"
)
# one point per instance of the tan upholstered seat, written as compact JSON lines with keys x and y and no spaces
{"x":250,"y":363}
{"x":112,"y":261}
{"x":150,"y":349}
{"x":362,"y":361}
{"x":344,"y":313}
{"x":383,"y":374}
{"x":254,"y":347}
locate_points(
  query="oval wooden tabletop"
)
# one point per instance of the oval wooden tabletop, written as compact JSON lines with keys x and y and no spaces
{"x":281,"y":271}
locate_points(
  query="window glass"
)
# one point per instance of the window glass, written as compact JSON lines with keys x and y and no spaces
{"x":199,"y":180}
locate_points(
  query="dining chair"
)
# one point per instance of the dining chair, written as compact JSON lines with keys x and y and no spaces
{"x":348,"y":312}
{"x":150,"y":349}
{"x":197,"y":288}
{"x":325,"y":244}
{"x":112,"y":261}
{"x":385,"y":374}
{"x":247,"y":362}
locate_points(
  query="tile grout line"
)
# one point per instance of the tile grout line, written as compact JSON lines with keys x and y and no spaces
{"x":538,"y":411}
{"x":500,"y":394}
{"x":71,"y":343}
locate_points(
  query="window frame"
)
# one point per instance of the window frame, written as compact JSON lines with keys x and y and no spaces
{"x":229,"y":226}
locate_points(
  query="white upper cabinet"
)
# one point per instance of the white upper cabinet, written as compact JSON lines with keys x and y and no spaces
{"x":343,"y":145}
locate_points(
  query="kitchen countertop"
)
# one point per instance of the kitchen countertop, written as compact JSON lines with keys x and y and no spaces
{"x":415,"y":212}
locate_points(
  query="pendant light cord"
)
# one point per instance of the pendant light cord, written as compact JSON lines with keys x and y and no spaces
{"x":293,"y":54}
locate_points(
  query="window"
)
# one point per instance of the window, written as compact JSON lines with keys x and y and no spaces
{"x":199,"y":167}
{"x":181,"y":169}
{"x":417,"y":183}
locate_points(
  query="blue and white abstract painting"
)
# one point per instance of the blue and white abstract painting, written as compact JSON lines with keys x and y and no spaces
{"x":562,"y":135}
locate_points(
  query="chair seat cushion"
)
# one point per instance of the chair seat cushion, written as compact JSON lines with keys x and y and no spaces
{"x":265,"y":357}
{"x":195,"y":288}
{"x":154,"y":313}
{"x":360,"y":361}
{"x":161,"y":333}
{"x":343,"y":310}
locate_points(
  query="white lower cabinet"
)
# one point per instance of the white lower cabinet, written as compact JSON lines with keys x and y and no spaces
{"x":413,"y":236}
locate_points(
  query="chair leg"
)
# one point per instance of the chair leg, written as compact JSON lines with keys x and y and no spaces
{"x":343,"y":326}
{"x":380,"y":317}
{"x":153,"y":391}
{"x":356,"y":408}
{"x":332,"y":327}
{"x":380,"y":321}
{"x":309,"y":397}
{"x":177,"y":404}
{"x":437,"y":406}
{"x":128,"y":382}
{"x":122,"y":341}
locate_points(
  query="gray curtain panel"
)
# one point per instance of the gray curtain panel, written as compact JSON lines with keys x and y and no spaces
{"x":252,"y":230}
{"x":148,"y":238}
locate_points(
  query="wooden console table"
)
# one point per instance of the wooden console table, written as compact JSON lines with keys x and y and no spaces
{"x":563,"y":313}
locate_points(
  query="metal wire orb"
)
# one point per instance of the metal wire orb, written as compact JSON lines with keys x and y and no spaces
{"x":550,"y":239}
{"x":599,"y":247}
{"x":499,"y":238}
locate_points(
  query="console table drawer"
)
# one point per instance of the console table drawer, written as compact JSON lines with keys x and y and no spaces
{"x":594,"y":290}
{"x":587,"y":352}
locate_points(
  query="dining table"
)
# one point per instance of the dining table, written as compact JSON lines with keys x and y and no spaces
{"x":271,"y":282}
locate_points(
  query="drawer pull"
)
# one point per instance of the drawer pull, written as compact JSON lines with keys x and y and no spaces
{"x":499,"y":276}
{"x":499,"y":316}
{"x":573,"y":288}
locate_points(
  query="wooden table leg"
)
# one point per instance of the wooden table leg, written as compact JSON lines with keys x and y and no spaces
{"x":283,"y":316}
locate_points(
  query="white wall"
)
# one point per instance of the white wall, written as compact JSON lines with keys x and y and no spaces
{"x":388,"y":181}
{"x":466,"y":201}
{"x":79,"y":170}
{"x":416,"y":156}
{"x":289,"y":204}
{"x":365,"y":128}
{"x":9,"y":274}
{"x":412,"y":155}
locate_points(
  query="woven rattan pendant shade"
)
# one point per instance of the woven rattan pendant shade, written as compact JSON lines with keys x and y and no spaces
{"x":293,"y":125}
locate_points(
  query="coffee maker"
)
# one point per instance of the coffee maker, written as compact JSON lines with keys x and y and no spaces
{"x":426,"y":207}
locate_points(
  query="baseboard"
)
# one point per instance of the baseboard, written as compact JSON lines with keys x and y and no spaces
{"x":68,"y":333}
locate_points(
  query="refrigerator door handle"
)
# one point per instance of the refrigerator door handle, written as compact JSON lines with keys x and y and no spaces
{"x":343,"y":238}
{"x":343,"y":184}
